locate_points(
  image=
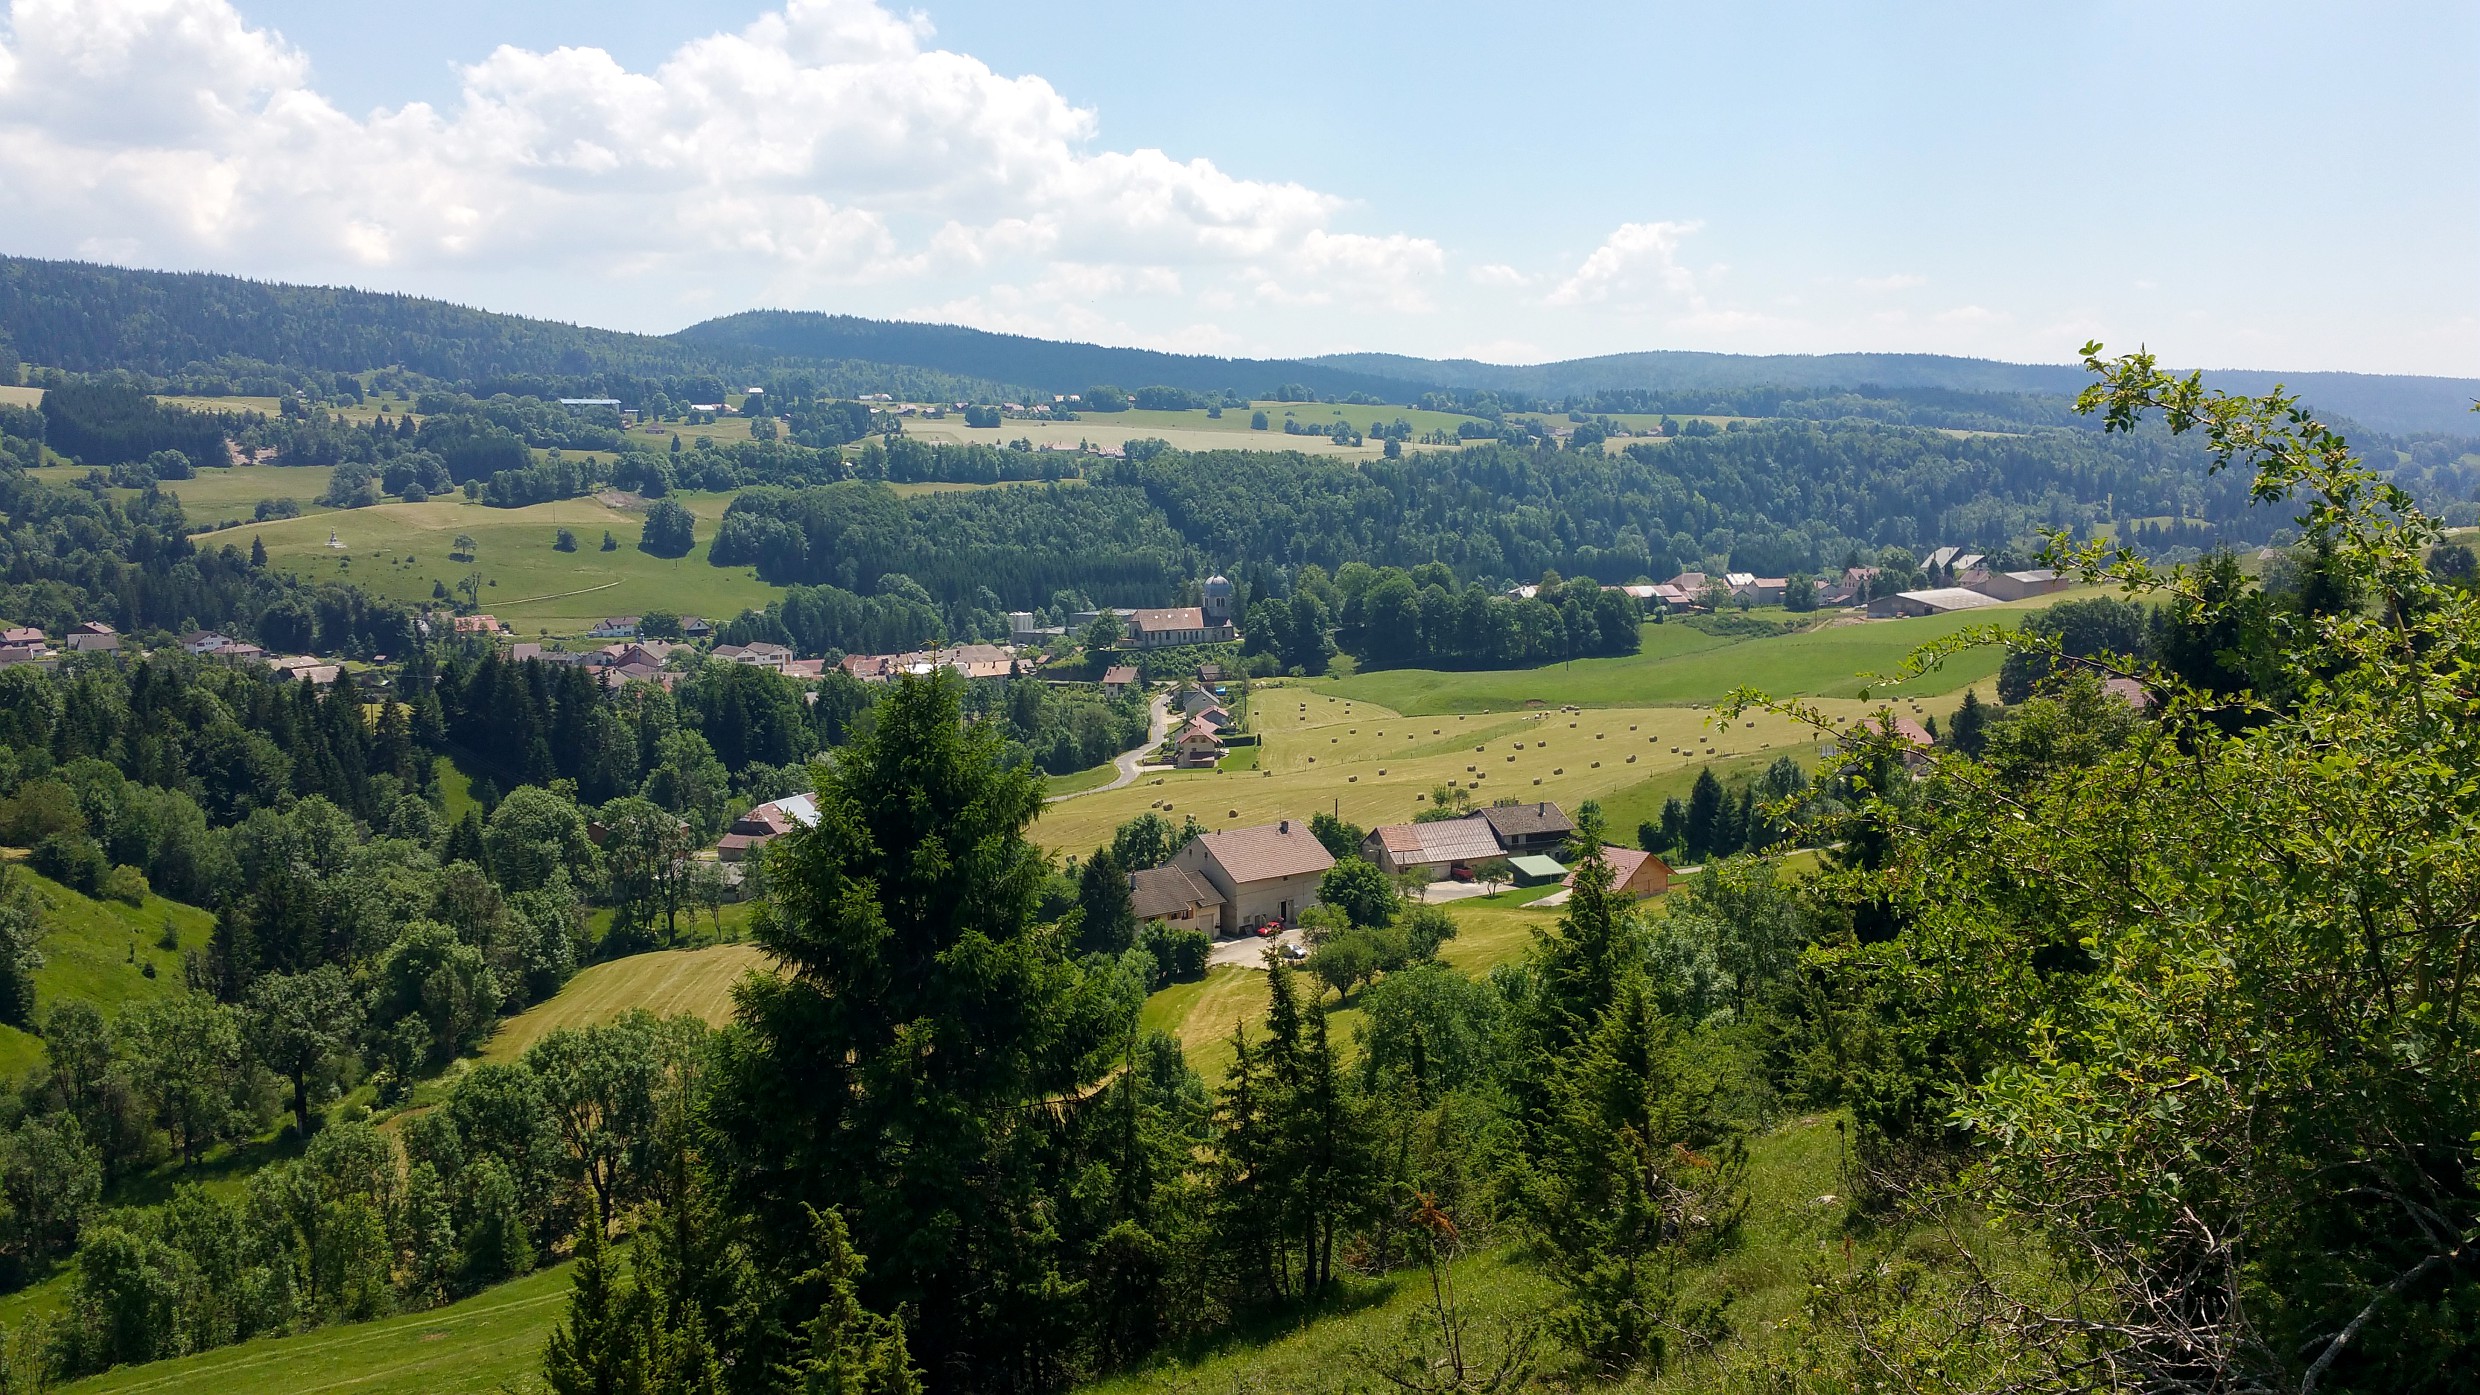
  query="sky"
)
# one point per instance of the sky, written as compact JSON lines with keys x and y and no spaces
{"x":2268,"y":185}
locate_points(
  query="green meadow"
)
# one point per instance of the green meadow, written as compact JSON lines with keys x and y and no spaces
{"x":402,"y":551}
{"x":487,"y":1343}
{"x":100,"y":951}
{"x":1681,"y":664}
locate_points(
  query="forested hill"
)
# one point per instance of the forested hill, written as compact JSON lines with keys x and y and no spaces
{"x":2385,"y":402}
{"x":1042,"y":363}
{"x":202,"y":327}
{"x":88,"y":318}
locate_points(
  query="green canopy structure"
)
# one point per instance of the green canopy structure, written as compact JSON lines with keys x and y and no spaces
{"x":1533,"y":869}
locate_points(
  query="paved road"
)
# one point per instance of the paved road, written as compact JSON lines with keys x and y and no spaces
{"x":1248,"y":951}
{"x":1156,"y":730}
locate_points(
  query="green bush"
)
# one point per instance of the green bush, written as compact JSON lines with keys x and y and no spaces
{"x":123,"y":883}
{"x":1179,"y":954}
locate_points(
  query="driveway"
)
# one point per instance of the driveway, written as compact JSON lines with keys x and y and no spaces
{"x":1248,"y":951}
{"x":1445,"y":889}
{"x":1156,"y":730}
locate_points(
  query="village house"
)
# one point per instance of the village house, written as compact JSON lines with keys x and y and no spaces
{"x":1119,"y":679}
{"x":1173,"y":895}
{"x":971,"y":661}
{"x":201,"y":642}
{"x":23,"y":635}
{"x":1264,"y":874}
{"x":1759,"y":590}
{"x":1943,"y":600}
{"x":93,"y":637}
{"x":758,"y":655}
{"x":1440,"y":848}
{"x":302,"y":668}
{"x":479,"y":625}
{"x":1198,"y":745}
{"x":1633,"y":872}
{"x":696,"y":627}
{"x":751,"y":832}
{"x":1524,"y":829}
{"x":1159,"y":629}
{"x":519,"y":653}
{"x":1196,"y":700}
{"x":614,"y":627}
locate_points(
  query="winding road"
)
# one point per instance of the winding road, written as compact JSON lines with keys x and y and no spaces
{"x":1159,"y":728}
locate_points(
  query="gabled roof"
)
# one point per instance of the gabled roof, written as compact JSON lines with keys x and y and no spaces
{"x":1160,"y":891}
{"x":1120,"y":673}
{"x":1624,"y":863}
{"x":1177,"y":618}
{"x":1441,"y":840}
{"x":1949,"y":598}
{"x":1266,"y":852}
{"x":1527,"y":820}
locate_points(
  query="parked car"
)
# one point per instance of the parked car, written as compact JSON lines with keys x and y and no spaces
{"x":1461,"y":874}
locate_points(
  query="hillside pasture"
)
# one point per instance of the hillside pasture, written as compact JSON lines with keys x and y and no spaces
{"x":1324,"y":751}
{"x":99,"y":952}
{"x":222,"y":493}
{"x":667,"y":983}
{"x":1839,"y":658}
{"x":534,"y":588}
{"x":488,"y":1343}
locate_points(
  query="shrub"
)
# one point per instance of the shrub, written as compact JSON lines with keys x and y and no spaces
{"x":1179,"y":954}
{"x":71,"y":859}
{"x":123,"y":883}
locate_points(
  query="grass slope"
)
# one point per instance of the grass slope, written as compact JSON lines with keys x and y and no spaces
{"x":1682,"y":664}
{"x":87,"y":953}
{"x":490,"y":1342}
{"x":666,"y":982}
{"x":1325,"y":748}
{"x":1794,"y":1180}
{"x":528,"y":584}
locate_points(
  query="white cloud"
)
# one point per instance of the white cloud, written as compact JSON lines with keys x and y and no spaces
{"x":1638,"y":262}
{"x":826,"y":145}
{"x":1497,"y":274}
{"x":1898,"y":281}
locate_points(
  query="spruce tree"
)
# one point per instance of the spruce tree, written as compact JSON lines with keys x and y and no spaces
{"x":905,"y":1068}
{"x":1704,"y":815}
{"x":601,"y":1349}
{"x":1968,"y":732}
{"x":845,"y":1348}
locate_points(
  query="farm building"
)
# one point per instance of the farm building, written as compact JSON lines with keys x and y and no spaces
{"x":2016,"y":586}
{"x":1633,"y":872}
{"x":1432,"y":850}
{"x":1941,"y":601}
{"x":94,"y":637}
{"x":1175,"y":896}
{"x":1528,"y":828}
{"x":752,"y":831}
{"x":1266,"y":873}
{"x":1534,"y":869}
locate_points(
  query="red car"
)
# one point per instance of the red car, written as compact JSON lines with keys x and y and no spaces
{"x":1269,"y":929}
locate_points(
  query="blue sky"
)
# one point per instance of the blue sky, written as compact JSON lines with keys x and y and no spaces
{"x":2280,"y":186}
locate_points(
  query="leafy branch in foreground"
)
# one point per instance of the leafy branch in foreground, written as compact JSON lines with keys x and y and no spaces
{"x":2189,"y":1004}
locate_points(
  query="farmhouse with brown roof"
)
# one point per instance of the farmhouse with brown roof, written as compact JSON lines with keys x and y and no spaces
{"x":1266,"y":873}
